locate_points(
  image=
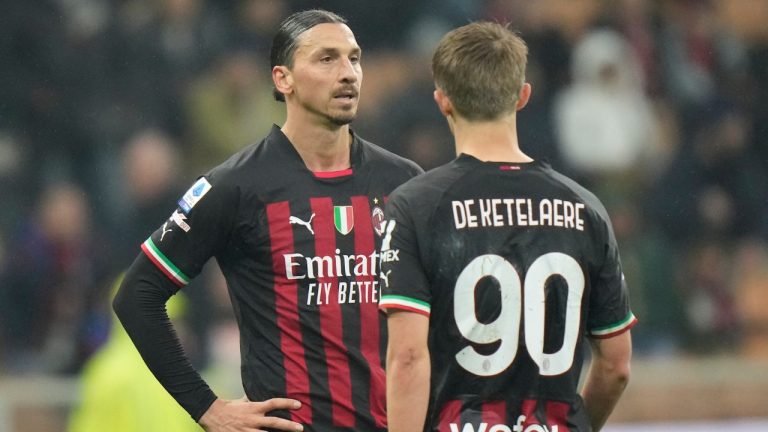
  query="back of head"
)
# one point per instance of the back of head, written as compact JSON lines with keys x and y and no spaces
{"x":285,"y":42}
{"x":481,"y":68}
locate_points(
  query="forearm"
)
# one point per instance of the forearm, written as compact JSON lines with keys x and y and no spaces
{"x":606,"y":381}
{"x":140,"y":306}
{"x":407,"y":391}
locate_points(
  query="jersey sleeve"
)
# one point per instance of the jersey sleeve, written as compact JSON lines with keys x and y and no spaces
{"x":197,"y":229}
{"x":610,"y":313}
{"x":403,"y":279}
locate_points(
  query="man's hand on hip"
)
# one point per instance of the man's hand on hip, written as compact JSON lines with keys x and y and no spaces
{"x":243,"y":415}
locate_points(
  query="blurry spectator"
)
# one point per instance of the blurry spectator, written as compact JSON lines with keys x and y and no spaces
{"x":715,"y":187}
{"x":151,"y":168}
{"x":13,"y":160}
{"x":697,"y":54}
{"x":51,"y":296}
{"x":649,"y":266}
{"x":377,"y":24}
{"x":637,"y":21}
{"x":256,"y":21}
{"x":605,"y":124}
{"x":759,"y":92}
{"x":709,"y":199}
{"x":705,"y":278}
{"x":228,"y":108}
{"x":162,"y":50}
{"x":119,"y":393}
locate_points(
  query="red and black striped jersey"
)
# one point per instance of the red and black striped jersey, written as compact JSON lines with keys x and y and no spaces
{"x":299,"y":251}
{"x":514,"y":264}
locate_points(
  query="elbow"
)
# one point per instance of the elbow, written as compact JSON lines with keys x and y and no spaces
{"x":406,"y":359}
{"x":619,"y":373}
{"x":118,"y":302}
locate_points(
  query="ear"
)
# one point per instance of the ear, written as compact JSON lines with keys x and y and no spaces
{"x":283,"y":80}
{"x":443,"y":103}
{"x":524,"y":97}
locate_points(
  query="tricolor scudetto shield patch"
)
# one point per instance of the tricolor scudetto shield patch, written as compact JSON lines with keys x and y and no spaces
{"x":343,"y":219}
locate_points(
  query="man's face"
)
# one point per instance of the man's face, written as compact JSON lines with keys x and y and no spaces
{"x":326,"y":73}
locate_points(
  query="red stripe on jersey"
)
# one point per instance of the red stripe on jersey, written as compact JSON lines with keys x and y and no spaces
{"x":495,"y":412}
{"x":557,"y":415}
{"x":386,"y":308}
{"x":369,"y":317}
{"x":332,"y":174}
{"x":450,"y":413}
{"x":160,"y":266}
{"x":617,"y":332}
{"x":287,"y":310}
{"x":528,"y":409}
{"x":339,"y":379}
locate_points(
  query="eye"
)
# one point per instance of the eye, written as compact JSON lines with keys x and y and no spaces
{"x":326,"y":59}
{"x":354,"y":59}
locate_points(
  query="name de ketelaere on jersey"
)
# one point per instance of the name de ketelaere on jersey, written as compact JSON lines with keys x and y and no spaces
{"x":299,"y":253}
{"x":514,"y":264}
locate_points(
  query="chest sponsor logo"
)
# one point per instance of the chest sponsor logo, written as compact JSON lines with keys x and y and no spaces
{"x":363,"y":268}
{"x":293,"y":220}
{"x":194,"y":194}
{"x":343,"y":219}
{"x":519,"y":426}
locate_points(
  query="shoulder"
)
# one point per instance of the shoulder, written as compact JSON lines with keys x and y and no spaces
{"x":242,"y":166}
{"x":378,"y":156}
{"x":224,"y":183}
{"x":590,"y":200}
{"x":428,"y":188}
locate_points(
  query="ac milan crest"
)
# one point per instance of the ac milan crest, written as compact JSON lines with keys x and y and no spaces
{"x":377,"y":218}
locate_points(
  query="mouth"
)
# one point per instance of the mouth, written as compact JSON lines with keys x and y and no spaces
{"x":346,"y":95}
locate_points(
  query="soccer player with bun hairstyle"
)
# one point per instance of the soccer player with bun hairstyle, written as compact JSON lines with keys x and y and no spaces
{"x":497,"y":270}
{"x":294,"y":222}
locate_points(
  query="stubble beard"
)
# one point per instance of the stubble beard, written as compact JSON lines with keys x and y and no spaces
{"x":342,"y":119}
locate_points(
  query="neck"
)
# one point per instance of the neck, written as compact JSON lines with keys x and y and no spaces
{"x":488,"y":141}
{"x":321,"y":147}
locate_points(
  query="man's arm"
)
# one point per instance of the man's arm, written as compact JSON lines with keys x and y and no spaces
{"x":408,"y":371}
{"x":140,"y":306}
{"x":608,"y":376}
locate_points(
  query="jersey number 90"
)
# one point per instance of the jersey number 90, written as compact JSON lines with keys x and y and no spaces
{"x":506,"y":328}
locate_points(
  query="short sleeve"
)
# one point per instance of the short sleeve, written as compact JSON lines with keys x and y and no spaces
{"x":610,"y":312}
{"x":196,"y":230}
{"x":403,"y":279}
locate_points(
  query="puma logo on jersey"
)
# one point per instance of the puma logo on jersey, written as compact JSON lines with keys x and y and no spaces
{"x":385,"y":277}
{"x":293,"y":220}
{"x":165,"y":231}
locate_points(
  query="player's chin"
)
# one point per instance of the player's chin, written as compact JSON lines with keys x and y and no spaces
{"x":341,"y":119}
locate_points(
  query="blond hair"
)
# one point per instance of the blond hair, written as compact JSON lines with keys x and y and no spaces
{"x":481,"y":68}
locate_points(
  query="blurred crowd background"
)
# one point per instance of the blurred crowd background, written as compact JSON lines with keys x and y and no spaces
{"x":109,"y":109}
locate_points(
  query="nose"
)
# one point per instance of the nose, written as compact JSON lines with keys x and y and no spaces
{"x":349,"y":71}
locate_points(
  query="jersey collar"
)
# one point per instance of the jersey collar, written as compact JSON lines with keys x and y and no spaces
{"x":289,"y":152}
{"x":466,"y":159}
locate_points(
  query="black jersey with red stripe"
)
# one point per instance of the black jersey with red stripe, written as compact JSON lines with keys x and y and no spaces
{"x":299,"y":253}
{"x":514,"y":264}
